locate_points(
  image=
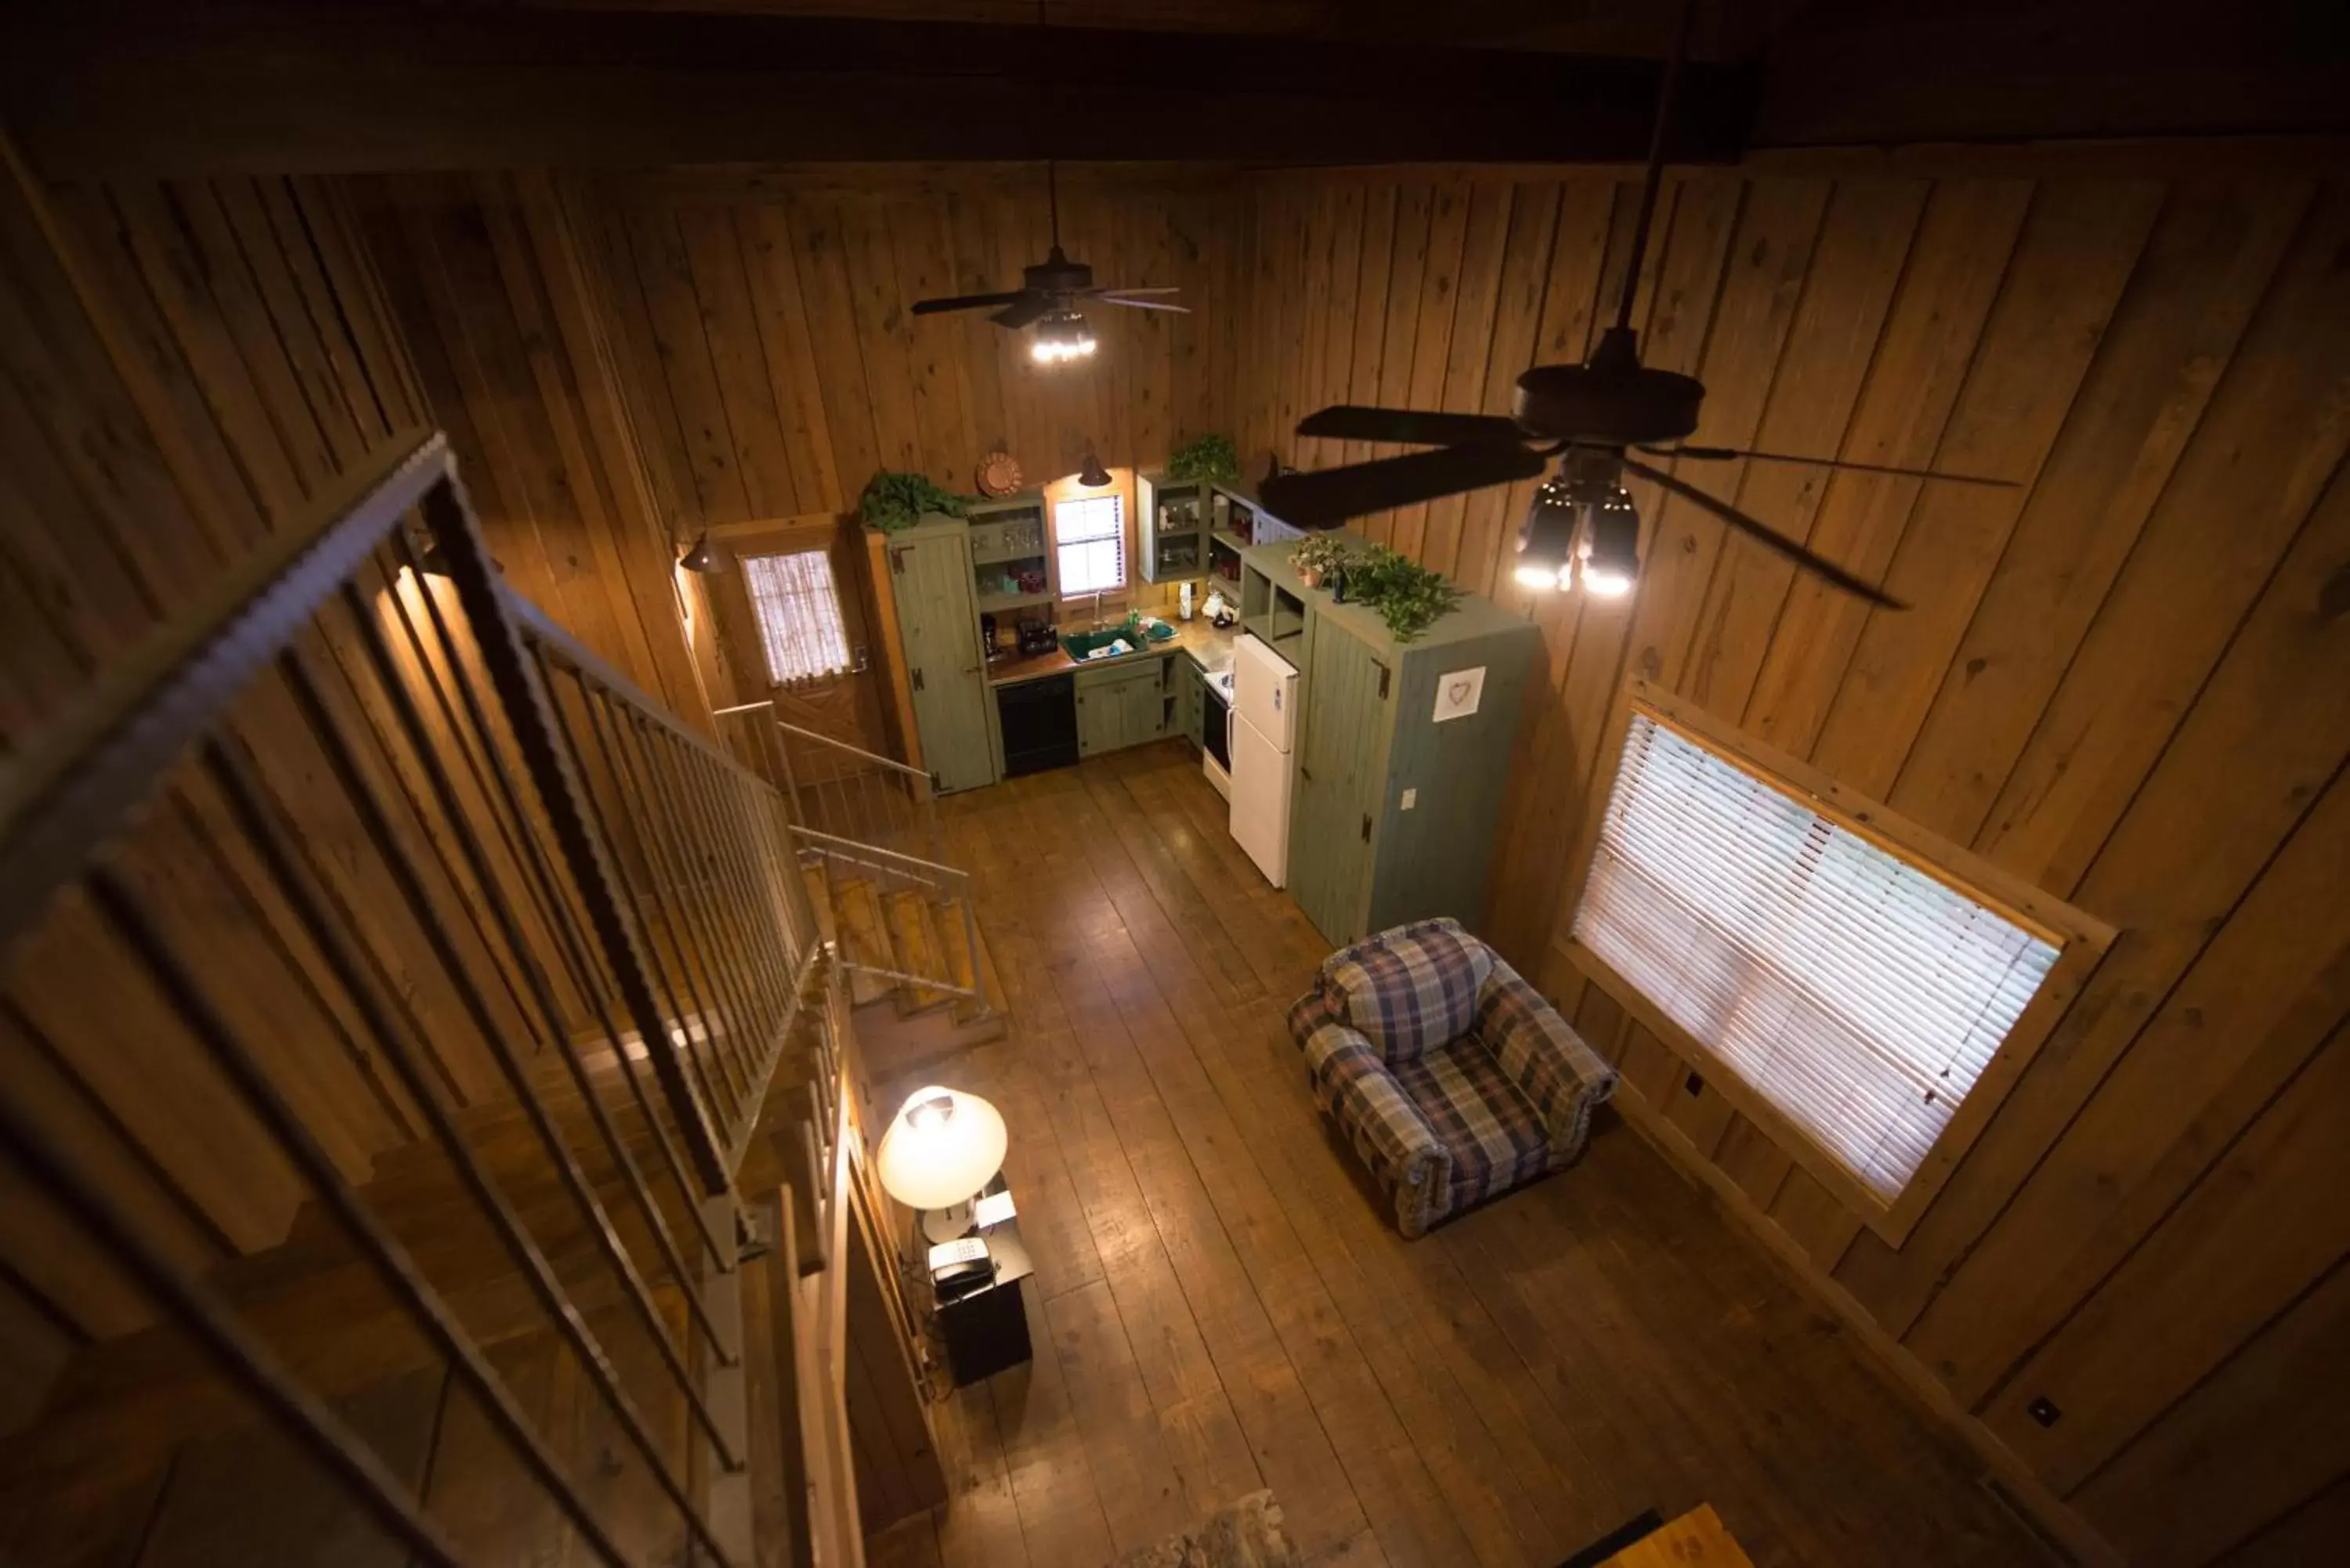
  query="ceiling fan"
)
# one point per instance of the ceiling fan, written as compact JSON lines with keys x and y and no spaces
{"x":1051,"y":291}
{"x":1590,"y":417}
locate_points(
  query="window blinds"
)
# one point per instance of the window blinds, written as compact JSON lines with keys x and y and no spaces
{"x":1859,"y":996}
{"x":1091,"y":536}
{"x":799,"y":615}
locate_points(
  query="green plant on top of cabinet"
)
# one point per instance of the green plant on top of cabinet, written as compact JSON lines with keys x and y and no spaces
{"x":1012,"y":565}
{"x":938,"y":636}
{"x":1402,"y":749}
{"x":1174,"y":527}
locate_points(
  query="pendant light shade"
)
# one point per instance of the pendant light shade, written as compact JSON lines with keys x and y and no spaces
{"x":1546,"y":541}
{"x":704,"y":557}
{"x":1093,"y":475}
{"x":1611,"y":546}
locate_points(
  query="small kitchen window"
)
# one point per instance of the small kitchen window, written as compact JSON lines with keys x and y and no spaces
{"x":1862,"y":993}
{"x":798,"y":607}
{"x":1089,"y":534}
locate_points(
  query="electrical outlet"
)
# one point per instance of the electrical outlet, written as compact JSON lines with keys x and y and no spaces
{"x":1410,"y":799}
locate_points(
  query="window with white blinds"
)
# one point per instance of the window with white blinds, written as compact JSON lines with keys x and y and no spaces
{"x":798,"y":610}
{"x":1090,"y":534}
{"x":1861,"y":996}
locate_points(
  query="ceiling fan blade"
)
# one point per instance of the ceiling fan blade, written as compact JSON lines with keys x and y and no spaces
{"x":1329,"y":496}
{"x":1724,"y":453}
{"x":1410,"y":427}
{"x":1107,"y":288}
{"x":1025,"y":309}
{"x":963,"y":302}
{"x":1142,"y":304}
{"x":1818,"y":565}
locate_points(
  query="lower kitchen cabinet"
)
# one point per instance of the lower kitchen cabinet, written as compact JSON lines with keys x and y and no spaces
{"x":1124,"y":704}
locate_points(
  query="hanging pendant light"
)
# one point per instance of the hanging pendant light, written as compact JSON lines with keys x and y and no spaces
{"x":1093,"y":475}
{"x":704,"y":557}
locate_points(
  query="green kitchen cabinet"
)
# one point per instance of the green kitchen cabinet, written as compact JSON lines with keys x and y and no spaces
{"x":1173,"y":526}
{"x":1403,"y":752}
{"x":1190,"y":698}
{"x":938,"y":636}
{"x":1122,"y":704}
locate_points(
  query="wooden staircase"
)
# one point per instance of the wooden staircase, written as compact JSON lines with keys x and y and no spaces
{"x":921,"y":980}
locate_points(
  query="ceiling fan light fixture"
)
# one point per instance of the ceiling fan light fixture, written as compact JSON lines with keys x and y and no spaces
{"x":1060,"y":336}
{"x":1546,"y":539}
{"x":1610,"y":551}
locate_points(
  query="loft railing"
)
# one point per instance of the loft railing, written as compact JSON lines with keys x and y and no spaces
{"x":366,"y":824}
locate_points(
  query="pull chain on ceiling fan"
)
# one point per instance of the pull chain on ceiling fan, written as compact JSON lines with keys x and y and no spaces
{"x":1583,"y":526}
{"x":1052,"y":291}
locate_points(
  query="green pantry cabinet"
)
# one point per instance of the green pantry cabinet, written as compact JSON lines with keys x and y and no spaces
{"x":1402,"y":749}
{"x":938,"y":631}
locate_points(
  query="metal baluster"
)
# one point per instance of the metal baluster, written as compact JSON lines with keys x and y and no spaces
{"x":560,"y":914}
{"x":517,"y":1079}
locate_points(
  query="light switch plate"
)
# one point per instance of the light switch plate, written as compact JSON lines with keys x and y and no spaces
{"x":1410,"y":799}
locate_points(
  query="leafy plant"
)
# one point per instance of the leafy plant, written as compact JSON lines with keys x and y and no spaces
{"x":1322,"y":553}
{"x":893,"y":501}
{"x":1408,"y":596}
{"x":1210,"y":457}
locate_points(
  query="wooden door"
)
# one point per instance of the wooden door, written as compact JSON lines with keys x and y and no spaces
{"x":845,"y":707}
{"x":938,"y":633}
{"x":1341,"y":757}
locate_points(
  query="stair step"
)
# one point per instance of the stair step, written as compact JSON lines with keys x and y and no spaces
{"x":961,"y":963}
{"x":917,"y":941}
{"x":864,"y":937}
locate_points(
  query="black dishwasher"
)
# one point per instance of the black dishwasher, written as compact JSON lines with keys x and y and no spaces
{"x":1039,"y":724}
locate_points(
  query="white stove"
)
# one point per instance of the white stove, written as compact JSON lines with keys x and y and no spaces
{"x":1216,"y":732}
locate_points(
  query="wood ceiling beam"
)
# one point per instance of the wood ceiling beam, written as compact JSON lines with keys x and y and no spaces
{"x":112,"y":89}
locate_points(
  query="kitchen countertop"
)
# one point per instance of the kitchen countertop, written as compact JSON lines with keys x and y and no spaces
{"x":1211,"y":650}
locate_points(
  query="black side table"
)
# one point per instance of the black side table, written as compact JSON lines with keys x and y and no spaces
{"x":987,"y":1330}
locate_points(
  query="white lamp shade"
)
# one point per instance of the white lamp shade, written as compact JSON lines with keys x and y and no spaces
{"x":943,"y":1147}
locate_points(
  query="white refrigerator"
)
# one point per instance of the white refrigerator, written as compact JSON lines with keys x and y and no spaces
{"x":1263,"y":730}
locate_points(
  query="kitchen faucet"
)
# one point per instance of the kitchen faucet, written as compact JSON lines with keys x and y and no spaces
{"x":1098,"y":622}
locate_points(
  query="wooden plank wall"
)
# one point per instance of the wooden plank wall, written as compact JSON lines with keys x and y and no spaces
{"x":764,"y":318}
{"x":501,"y":307}
{"x":183,"y":368}
{"x":2123,"y":680}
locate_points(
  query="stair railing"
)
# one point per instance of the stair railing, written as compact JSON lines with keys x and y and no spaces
{"x":839,"y":788}
{"x":491,"y":873}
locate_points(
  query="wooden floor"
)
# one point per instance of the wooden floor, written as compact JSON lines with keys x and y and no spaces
{"x":1222,"y":1309}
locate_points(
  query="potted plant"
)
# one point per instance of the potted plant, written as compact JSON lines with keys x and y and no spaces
{"x":1408,"y":596}
{"x":893,"y":501}
{"x":1211,"y":458}
{"x":1317,"y":557}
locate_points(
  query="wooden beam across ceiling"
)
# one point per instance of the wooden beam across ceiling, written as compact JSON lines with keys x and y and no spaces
{"x":123,"y":87}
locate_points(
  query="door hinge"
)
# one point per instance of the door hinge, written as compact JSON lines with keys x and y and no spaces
{"x":1366,"y":827}
{"x":1383,"y":683}
{"x":897,"y":560}
{"x":918,"y":680}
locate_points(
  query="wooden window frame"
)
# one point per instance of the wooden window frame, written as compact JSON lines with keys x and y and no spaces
{"x":1126,"y":544}
{"x":2081,"y":940}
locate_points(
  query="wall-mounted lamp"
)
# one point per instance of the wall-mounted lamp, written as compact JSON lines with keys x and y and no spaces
{"x":704,"y":557}
{"x":1093,"y":475}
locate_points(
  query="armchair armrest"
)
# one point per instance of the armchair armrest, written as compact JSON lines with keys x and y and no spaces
{"x":1544,"y":1057}
{"x":1381,"y":1123}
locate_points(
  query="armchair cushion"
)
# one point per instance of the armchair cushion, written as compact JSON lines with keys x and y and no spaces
{"x":1491,"y":1131}
{"x":1411,"y":988}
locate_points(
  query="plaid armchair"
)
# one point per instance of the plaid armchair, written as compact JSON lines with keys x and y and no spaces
{"x":1452,"y":1077}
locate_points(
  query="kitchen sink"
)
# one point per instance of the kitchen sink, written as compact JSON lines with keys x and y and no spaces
{"x":1081,"y":645}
